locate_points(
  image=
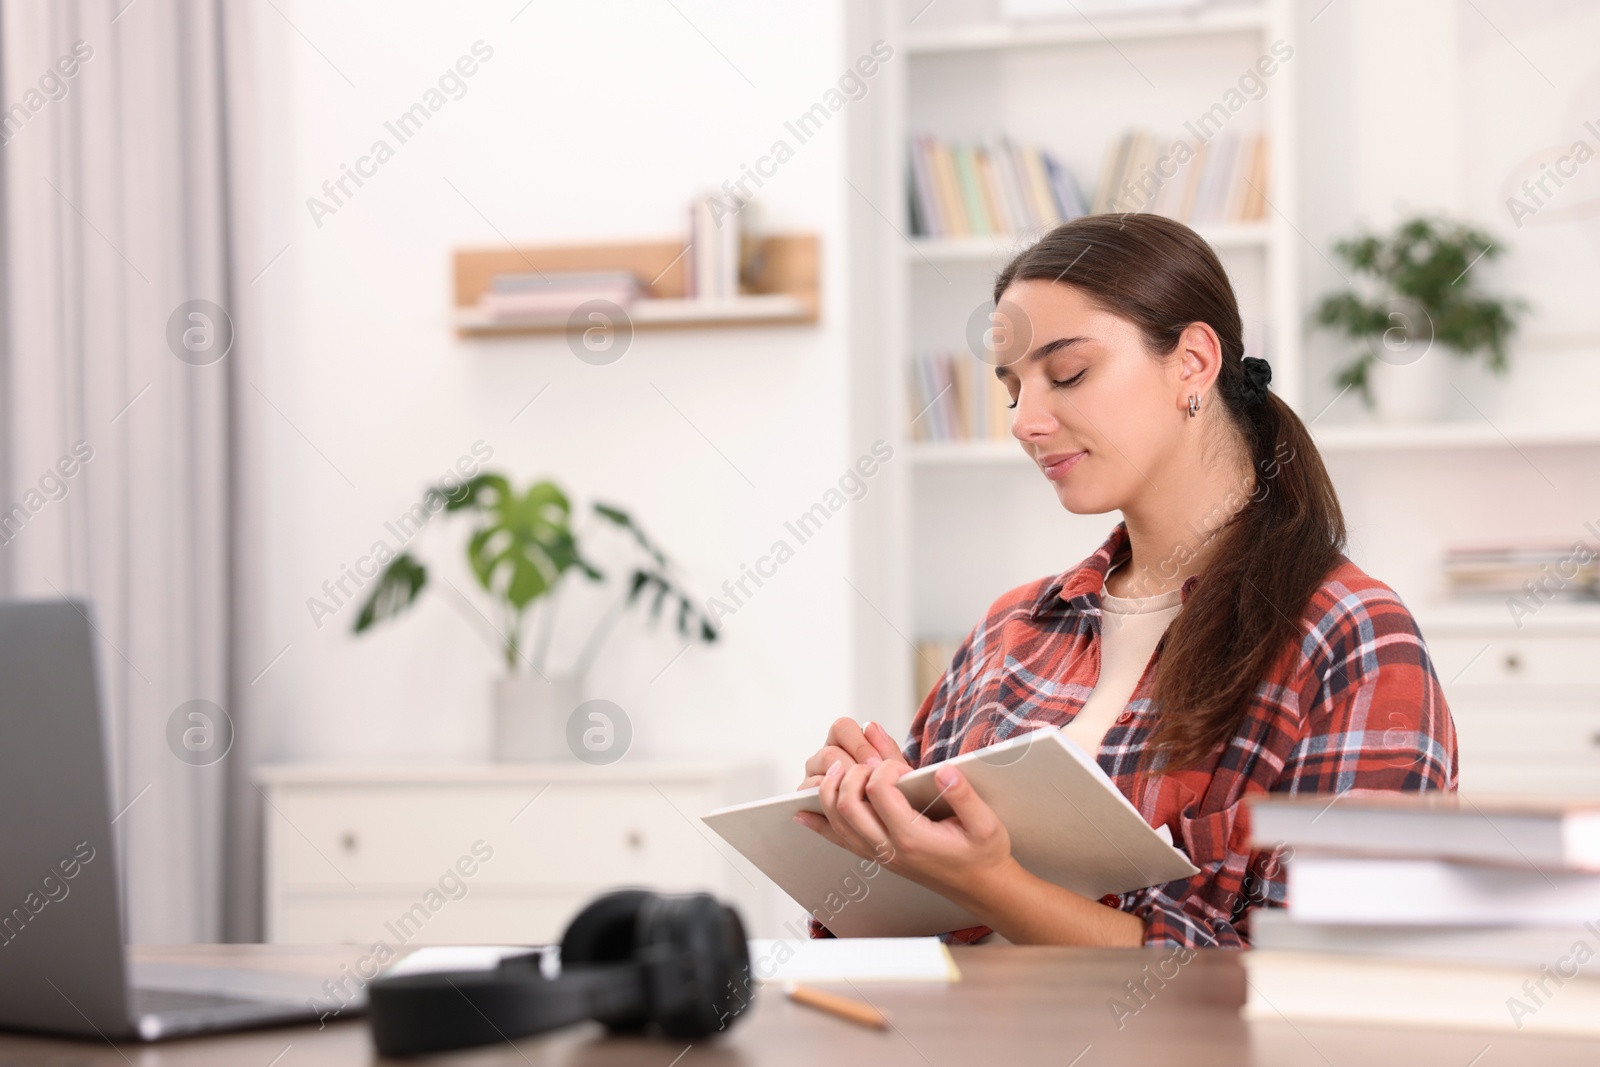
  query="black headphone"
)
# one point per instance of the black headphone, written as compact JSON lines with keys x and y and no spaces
{"x":630,"y":959}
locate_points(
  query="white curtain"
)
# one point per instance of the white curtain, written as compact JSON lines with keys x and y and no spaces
{"x":116,"y":174}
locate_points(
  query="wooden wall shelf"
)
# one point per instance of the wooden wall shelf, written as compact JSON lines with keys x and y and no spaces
{"x":785,"y":289}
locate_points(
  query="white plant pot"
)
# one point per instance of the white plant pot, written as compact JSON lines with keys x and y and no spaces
{"x":1418,"y":391}
{"x":530,"y":718}
{"x":1477,"y":393}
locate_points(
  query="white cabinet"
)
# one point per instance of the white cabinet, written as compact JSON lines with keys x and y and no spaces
{"x":487,"y":854}
{"x":1526,"y":700}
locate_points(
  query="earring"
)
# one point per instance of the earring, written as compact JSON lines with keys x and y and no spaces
{"x":1194,"y":404}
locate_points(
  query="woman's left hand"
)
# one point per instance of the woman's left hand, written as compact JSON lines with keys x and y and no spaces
{"x":865,"y":813}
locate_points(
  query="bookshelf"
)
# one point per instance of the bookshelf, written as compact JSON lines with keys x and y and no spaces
{"x":966,"y":520}
{"x":784,"y":288}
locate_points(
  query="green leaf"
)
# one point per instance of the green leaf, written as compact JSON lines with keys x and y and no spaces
{"x":527,"y":584}
{"x":1436,"y":265}
{"x":480,"y":492}
{"x":622,"y":519}
{"x":397,"y":589}
{"x":524,"y":543}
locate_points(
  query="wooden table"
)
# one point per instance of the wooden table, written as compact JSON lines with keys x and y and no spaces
{"x":1047,"y":1006}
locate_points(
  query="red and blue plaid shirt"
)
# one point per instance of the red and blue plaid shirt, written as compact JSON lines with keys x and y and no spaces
{"x":1354,"y":706}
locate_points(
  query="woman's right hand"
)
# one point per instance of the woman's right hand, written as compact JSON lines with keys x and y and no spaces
{"x":851,"y":744}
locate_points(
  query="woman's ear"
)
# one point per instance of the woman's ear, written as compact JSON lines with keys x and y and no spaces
{"x":1199,"y":361}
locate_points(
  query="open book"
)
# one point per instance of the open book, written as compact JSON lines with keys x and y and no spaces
{"x":1068,"y":821}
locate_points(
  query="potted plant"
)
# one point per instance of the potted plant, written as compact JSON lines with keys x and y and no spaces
{"x":1421,"y":291}
{"x":523,"y":550}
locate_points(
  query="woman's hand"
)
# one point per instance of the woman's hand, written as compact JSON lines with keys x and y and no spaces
{"x":852,"y":746}
{"x":864,"y":812}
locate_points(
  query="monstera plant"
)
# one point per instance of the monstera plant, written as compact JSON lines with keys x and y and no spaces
{"x":522,"y":549}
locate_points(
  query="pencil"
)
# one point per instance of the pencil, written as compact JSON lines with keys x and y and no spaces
{"x":847,"y":1008}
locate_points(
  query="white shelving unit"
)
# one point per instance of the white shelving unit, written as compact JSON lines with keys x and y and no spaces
{"x":953,"y":525}
{"x":1073,"y":87}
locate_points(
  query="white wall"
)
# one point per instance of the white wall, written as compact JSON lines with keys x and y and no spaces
{"x":590,"y":122}
{"x":1444,"y":106}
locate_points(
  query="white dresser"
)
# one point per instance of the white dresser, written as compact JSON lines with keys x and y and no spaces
{"x":1526,"y":701}
{"x":492,"y":853}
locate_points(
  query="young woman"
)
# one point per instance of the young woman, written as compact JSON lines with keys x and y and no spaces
{"x":1218,"y":644}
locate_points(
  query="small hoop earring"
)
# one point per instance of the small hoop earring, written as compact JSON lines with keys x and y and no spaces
{"x":1194,"y":404}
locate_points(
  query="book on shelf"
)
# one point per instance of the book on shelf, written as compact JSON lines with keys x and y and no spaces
{"x":1222,"y":178}
{"x":555,"y":294}
{"x":1430,"y":909}
{"x":713,"y":256}
{"x":1568,"y":572}
{"x":989,"y":188}
{"x":956,"y":397}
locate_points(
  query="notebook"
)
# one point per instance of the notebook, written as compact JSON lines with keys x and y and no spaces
{"x":1069,"y":824}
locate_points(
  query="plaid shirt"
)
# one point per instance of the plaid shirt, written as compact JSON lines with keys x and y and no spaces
{"x":1355,"y":705}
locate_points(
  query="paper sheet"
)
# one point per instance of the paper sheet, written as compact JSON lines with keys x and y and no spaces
{"x":433,"y":958}
{"x":853,"y":959}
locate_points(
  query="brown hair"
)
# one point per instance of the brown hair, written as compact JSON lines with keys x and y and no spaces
{"x":1269,"y":559}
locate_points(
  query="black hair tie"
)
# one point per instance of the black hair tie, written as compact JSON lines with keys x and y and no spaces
{"x":1257,"y":375}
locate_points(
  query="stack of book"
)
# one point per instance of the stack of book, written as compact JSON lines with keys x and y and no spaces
{"x":1432,"y":909}
{"x":555,"y":295}
{"x":988,"y":189}
{"x":1220,"y":180}
{"x":1549,"y":572}
{"x":956,"y":397}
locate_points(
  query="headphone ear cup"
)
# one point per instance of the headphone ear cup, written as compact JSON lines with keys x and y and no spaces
{"x":606,"y":930}
{"x":606,"y":933}
{"x":703,"y":944}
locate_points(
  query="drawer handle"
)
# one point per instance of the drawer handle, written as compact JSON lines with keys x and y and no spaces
{"x":1513,"y":662}
{"x":636,"y":839}
{"x":348,"y":841}
{"x":1594,"y":739}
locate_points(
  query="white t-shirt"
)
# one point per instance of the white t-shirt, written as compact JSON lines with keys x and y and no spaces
{"x":1130,"y":628}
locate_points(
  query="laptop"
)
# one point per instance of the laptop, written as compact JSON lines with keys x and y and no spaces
{"x":62,"y":965}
